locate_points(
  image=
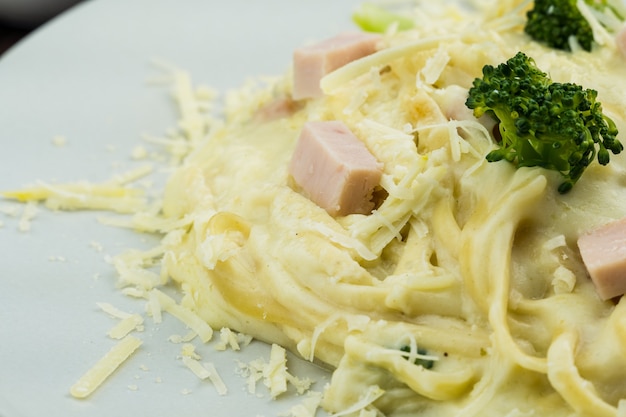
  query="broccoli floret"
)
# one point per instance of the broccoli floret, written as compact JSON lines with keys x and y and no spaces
{"x":553,"y":22}
{"x":542,"y":123}
{"x":426,"y":363}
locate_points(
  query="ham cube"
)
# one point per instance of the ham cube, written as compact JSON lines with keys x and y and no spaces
{"x":312,"y":62}
{"x":334,"y":168}
{"x":603,"y":251}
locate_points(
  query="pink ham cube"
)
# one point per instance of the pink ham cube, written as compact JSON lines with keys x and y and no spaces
{"x":603,"y":251}
{"x":334,"y":168}
{"x":312,"y":62}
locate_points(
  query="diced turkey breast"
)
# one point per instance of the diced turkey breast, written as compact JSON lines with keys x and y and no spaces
{"x":603,"y":251}
{"x":334,"y":168}
{"x":312,"y":62}
{"x":452,"y":99}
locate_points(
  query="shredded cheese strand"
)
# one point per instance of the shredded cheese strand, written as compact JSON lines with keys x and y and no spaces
{"x":97,"y":374}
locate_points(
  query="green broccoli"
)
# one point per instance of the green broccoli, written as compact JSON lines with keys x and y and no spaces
{"x":553,"y":22}
{"x":542,"y":123}
{"x":426,"y":363}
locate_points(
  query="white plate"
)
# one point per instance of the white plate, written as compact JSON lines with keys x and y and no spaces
{"x":82,"y":77}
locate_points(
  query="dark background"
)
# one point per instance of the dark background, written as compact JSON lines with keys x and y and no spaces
{"x":10,"y":35}
{"x":18,"y":19}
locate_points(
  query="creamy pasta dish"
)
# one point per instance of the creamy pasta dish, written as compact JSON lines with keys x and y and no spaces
{"x":462,"y":292}
{"x":452,"y":286}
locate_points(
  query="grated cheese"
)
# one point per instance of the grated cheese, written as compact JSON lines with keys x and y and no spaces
{"x":409,"y":183}
{"x":113,"y":311}
{"x":434,"y":68}
{"x":154,"y":307}
{"x":253,"y":372}
{"x":185,"y":315}
{"x":307,"y":408}
{"x":82,"y":196}
{"x":600,"y":34}
{"x":176,"y":338}
{"x":361,"y":66}
{"x":134,"y":292}
{"x":275,"y":373}
{"x":301,"y":385}
{"x":128,"y":322}
{"x":97,"y":374}
{"x":125,"y":326}
{"x":231,"y":339}
{"x":133,"y":175}
{"x":206,"y":371}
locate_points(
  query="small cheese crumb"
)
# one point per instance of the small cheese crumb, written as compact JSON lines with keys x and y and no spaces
{"x":188,"y":350}
{"x":12,"y":210}
{"x":53,"y":258}
{"x":252,"y":371}
{"x":301,"y":385}
{"x":96,"y":245}
{"x":138,"y":153}
{"x":555,"y":243}
{"x":59,"y":141}
{"x":29,"y":213}
{"x":564,"y":280}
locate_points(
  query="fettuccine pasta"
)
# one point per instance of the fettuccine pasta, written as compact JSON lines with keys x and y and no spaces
{"x":462,"y":293}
